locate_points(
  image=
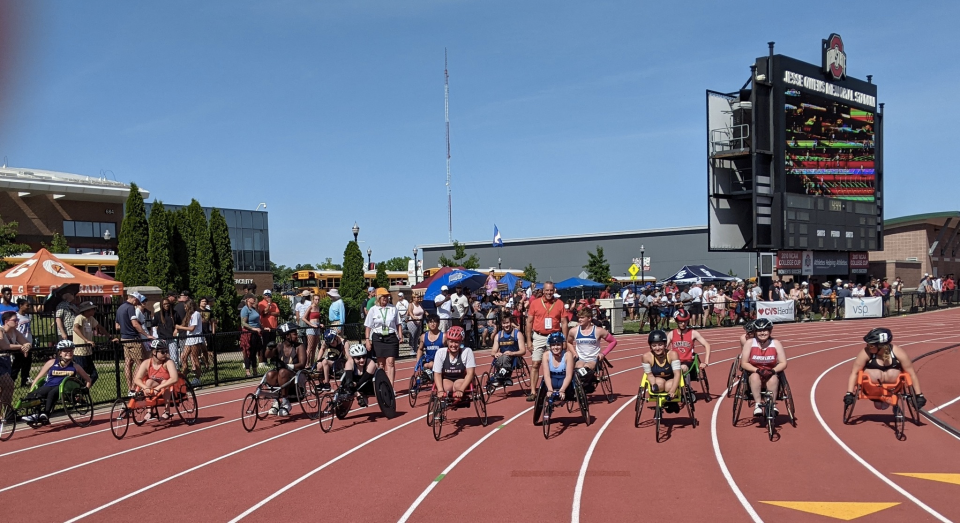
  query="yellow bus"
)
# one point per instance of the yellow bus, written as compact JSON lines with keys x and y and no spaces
{"x":319,"y":282}
{"x":91,"y":263}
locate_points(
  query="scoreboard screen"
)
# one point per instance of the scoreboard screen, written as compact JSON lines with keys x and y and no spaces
{"x":830,"y":148}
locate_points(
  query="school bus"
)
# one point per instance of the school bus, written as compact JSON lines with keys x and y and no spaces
{"x":319,"y":282}
{"x":91,"y":263}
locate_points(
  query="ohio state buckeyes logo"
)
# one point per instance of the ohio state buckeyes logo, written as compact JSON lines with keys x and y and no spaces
{"x":834,"y":57}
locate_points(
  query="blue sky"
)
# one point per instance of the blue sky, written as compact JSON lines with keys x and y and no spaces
{"x":566,"y":117}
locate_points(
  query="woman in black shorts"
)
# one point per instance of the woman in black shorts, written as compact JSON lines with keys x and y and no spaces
{"x":383,"y":333}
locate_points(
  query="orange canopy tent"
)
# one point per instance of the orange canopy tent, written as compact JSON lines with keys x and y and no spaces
{"x":44,"y":273}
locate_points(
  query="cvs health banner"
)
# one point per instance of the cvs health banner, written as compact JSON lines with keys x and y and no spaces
{"x":871,"y":307}
{"x":776,"y":311}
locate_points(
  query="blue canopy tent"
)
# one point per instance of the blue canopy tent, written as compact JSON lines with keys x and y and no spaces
{"x":697,"y":273}
{"x":579,"y":283}
{"x":469,"y":280}
{"x":511,"y":281}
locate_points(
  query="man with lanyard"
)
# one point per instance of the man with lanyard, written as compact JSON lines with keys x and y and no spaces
{"x":289,"y":356}
{"x":443,"y":303}
{"x":269,"y":316}
{"x":544,"y":317}
{"x":131,"y":335}
{"x":682,"y":340}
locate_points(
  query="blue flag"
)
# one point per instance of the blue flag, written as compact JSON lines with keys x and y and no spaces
{"x":497,"y":240}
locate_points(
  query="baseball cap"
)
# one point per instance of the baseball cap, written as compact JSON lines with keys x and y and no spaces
{"x":371,"y":289}
{"x":268,"y":292}
{"x":305,"y":294}
{"x":333,"y":293}
{"x":185,"y":293}
{"x":383,"y":292}
{"x":443,"y":288}
{"x":400,"y":294}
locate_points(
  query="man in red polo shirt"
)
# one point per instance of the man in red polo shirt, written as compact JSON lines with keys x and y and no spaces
{"x":544,"y":317}
{"x":269,"y":315}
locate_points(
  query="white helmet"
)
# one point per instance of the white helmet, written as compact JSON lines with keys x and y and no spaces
{"x":357,"y":350}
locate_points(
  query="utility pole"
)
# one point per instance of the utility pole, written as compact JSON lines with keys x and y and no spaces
{"x":446,"y":118}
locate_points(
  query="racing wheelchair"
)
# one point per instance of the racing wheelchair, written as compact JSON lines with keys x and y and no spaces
{"x":784,"y":394}
{"x":141,"y":407}
{"x":659,"y":400}
{"x":256,"y":405}
{"x":337,"y":404}
{"x":575,"y":398}
{"x":74,"y":399}
{"x":696,"y":373}
{"x":437,"y":407}
{"x":601,"y":377}
{"x":900,"y":395}
{"x":420,"y":379}
{"x":493,"y":378}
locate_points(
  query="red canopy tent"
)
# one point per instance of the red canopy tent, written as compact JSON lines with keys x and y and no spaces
{"x":44,"y":273}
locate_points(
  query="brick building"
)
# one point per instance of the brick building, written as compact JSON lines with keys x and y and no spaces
{"x":917,"y":245}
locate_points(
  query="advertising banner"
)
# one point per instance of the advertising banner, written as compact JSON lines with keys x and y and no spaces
{"x":831,"y":263}
{"x":776,"y":311}
{"x":859,"y":262}
{"x":863,"y":307}
{"x":789,"y":262}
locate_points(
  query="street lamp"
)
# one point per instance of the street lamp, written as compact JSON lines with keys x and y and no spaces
{"x":107,"y":235}
{"x":369,"y":262}
{"x":643,"y":282}
{"x":356,"y":231}
{"x":416,"y":276}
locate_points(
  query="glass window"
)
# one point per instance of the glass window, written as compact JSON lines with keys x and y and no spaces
{"x":234,"y":238}
{"x":258,"y":220}
{"x":247,"y":240}
{"x":231,"y":218}
{"x":261,"y":265}
{"x":257,"y":240}
{"x":246,"y":219}
{"x":266,"y":240}
{"x":84,"y":229}
{"x":248,"y":260}
{"x":68,"y":228}
{"x":109,"y":227}
{"x":266,"y":222}
{"x":96,"y":230}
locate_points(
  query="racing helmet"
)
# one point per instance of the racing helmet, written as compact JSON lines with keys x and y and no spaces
{"x":454,"y":334}
{"x":876,"y":336}
{"x":762,"y":324}
{"x":749,"y":327}
{"x":330,"y":336}
{"x":63,"y":345}
{"x":682,"y":315}
{"x":157,"y":344}
{"x":288,"y":327}
{"x":555,"y":339}
{"x":357,"y":350}
{"x":657,"y":336}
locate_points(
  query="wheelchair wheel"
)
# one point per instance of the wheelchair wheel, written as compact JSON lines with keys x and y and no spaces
{"x":910,"y":397}
{"x":78,"y":405}
{"x":263,"y":405}
{"x":186,"y":403}
{"x":545,"y":420}
{"x":431,"y":405}
{"x":605,"y":384}
{"x":848,"y":409}
{"x":787,"y":396}
{"x":690,"y":409}
{"x":140,"y":413}
{"x":523,"y":375}
{"x":582,"y":399}
{"x":658,"y":417}
{"x":738,"y":398}
{"x":328,"y":407}
{"x":641,"y":404}
{"x":414,"y":389}
{"x":480,"y":405}
{"x":386,"y":398}
{"x":899,"y":422}
{"x":488,"y":387}
{"x":438,"y":413}
{"x":732,"y":376}
{"x":539,"y":401}
{"x":120,"y":418}
{"x":343,"y":407}
{"x":770,"y":416}
{"x":309,"y":399}
{"x":251,"y":412}
{"x":704,"y":384}
{"x":8,"y":421}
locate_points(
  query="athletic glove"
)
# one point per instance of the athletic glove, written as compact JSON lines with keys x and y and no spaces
{"x":921,"y":401}
{"x":765,"y":373}
{"x":849,"y":399}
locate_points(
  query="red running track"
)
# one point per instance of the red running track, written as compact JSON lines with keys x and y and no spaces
{"x":215,"y":471}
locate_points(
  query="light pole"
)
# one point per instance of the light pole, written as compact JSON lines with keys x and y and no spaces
{"x":498,"y":263}
{"x":369,"y":254}
{"x":356,"y":231}
{"x":415,"y":272}
{"x":643,"y":282}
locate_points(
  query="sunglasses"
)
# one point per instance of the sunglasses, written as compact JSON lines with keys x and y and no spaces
{"x":162,"y":351}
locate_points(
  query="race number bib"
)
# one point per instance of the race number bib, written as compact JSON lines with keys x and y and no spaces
{"x":548,"y":323}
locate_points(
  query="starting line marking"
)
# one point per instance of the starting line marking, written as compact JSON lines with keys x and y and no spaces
{"x":945,"y":405}
{"x":834,"y":509}
{"x":943,"y":478}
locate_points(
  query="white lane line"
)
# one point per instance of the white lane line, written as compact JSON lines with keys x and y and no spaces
{"x":89,"y":433}
{"x":210,"y":462}
{"x":945,"y":405}
{"x":426,"y":491}
{"x":578,"y":490}
{"x":854,"y":455}
{"x":723,"y":464}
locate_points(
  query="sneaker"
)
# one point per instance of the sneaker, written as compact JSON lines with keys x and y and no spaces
{"x":362,"y":401}
{"x":324,"y":386}
{"x":283,"y":412}
{"x":508,"y":382}
{"x":195,"y":382}
{"x":758,"y":410}
{"x":531,"y":397}
{"x":494,"y":383}
{"x":29,"y":419}
{"x":131,"y":393}
{"x":274,"y":407}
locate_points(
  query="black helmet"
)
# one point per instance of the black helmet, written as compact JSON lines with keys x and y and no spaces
{"x":657,"y":336}
{"x":878,"y":335}
{"x":750,"y":327}
{"x":158,"y":344}
{"x":288,"y":327}
{"x":762,"y":324}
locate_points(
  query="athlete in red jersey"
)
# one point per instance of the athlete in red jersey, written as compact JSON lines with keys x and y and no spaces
{"x":763,"y":358}
{"x":682,"y":340}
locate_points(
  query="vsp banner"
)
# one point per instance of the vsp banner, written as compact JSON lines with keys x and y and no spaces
{"x":863,"y":307}
{"x":776,"y":311}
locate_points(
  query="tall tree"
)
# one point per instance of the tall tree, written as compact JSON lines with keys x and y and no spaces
{"x":397,"y":263}
{"x":597,"y":266}
{"x":180,"y":238}
{"x":8,"y":245}
{"x":58,"y":245}
{"x":460,"y":258}
{"x":134,"y":241}
{"x":351,"y":283}
{"x":226,"y":301}
{"x":529,"y":273}
{"x":202,"y":276}
{"x":281,"y":273}
{"x":328,"y":265}
{"x":381,"y":279}
{"x":160,"y":266}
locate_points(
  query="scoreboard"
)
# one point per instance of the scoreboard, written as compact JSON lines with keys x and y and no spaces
{"x":795,"y":158}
